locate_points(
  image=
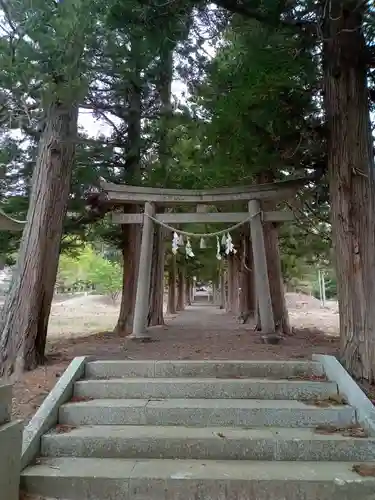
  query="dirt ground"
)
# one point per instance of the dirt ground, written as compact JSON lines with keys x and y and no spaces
{"x":83,"y":326}
{"x":83,"y":315}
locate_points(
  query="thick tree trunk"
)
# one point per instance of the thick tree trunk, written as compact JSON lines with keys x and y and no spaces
{"x":181,"y":289}
{"x":350,"y":165}
{"x":233,"y":302}
{"x":226,"y":288}
{"x":156,"y":298}
{"x":248,"y":298}
{"x":188,"y":292}
{"x":27,"y":308}
{"x":236,"y":285}
{"x":156,"y":309}
{"x":166,"y":110}
{"x":230,"y":281}
{"x":171,"y":305}
{"x":275,"y":276}
{"x":131,"y":234}
{"x":131,"y":238}
{"x":222,"y":287}
{"x":280,"y":311}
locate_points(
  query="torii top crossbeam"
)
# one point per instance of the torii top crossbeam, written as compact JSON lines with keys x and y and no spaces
{"x":120,"y":194}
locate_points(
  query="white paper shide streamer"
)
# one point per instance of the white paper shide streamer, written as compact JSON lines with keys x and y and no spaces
{"x":175,"y":242}
{"x":202,"y":243}
{"x":226,"y":242}
{"x":218,"y":248}
{"x":188,"y":249}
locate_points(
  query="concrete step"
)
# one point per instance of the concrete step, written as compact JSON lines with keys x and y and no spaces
{"x":121,"y":479}
{"x":217,"y":443}
{"x":205,"y":388}
{"x":203,"y":369}
{"x":204,"y":412}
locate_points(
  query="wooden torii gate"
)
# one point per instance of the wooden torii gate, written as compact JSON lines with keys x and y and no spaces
{"x":116,"y":195}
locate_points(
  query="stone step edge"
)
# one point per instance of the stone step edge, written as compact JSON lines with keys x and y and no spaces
{"x":244,"y":470}
{"x":203,"y":380}
{"x":150,"y":368}
{"x":224,"y":443}
{"x":203,"y":388}
{"x":193,"y":403}
{"x":185,"y":432}
{"x":193,"y":412}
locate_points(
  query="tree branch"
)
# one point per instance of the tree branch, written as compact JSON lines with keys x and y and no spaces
{"x":243,"y":8}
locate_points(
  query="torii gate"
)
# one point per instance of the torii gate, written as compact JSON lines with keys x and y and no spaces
{"x":117,"y":195}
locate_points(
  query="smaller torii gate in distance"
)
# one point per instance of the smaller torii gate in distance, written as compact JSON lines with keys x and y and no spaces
{"x":116,"y":195}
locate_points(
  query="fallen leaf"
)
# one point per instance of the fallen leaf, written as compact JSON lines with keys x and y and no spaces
{"x":338,"y":399}
{"x":319,"y":378}
{"x":355,"y":431}
{"x":80,"y":399}
{"x":332,"y":400}
{"x":325,"y":429}
{"x":63,"y":428}
{"x":364,"y":470}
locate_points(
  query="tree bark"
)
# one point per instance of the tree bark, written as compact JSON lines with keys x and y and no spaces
{"x":166,"y":110}
{"x":27,"y":308}
{"x":222,"y":286}
{"x":131,"y":234}
{"x":226,"y":288}
{"x":275,"y":276}
{"x":156,"y":299}
{"x":248,"y":298}
{"x":171,"y":308}
{"x":350,"y":166}
{"x":230,"y":280}
{"x":131,"y":239}
{"x":236,"y":285}
{"x":181,"y":289}
{"x":188,"y":292}
{"x":280,"y":311}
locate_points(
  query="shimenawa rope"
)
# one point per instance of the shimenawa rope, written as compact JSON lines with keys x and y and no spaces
{"x":201,"y":235}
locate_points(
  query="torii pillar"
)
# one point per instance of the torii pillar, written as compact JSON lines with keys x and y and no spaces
{"x":144,"y":276}
{"x":262,"y":285}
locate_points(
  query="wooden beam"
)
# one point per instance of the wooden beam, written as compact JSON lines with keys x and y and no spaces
{"x":122,"y":194}
{"x":201,"y":218}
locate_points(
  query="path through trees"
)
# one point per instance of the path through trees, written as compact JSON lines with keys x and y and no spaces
{"x":116,"y":196}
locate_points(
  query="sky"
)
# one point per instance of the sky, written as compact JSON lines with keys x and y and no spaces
{"x":93,"y":127}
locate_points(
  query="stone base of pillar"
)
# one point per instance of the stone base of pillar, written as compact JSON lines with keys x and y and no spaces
{"x":140,"y":338}
{"x":272,"y":338}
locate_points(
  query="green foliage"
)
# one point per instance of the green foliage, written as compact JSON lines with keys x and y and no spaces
{"x":330,"y":286}
{"x":106,"y":277}
{"x":250,"y":110}
{"x":255,"y":118}
{"x":92,"y":269}
{"x":257,"y":100}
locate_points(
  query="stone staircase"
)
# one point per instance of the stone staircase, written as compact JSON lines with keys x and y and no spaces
{"x":210,"y":430}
